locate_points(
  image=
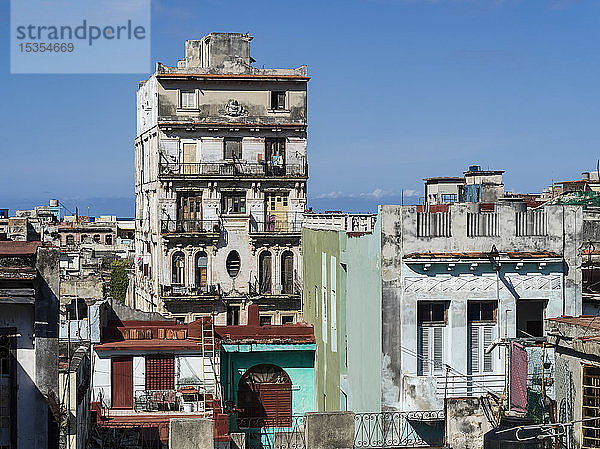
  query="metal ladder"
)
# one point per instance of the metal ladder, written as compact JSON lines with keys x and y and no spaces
{"x":208,"y":351}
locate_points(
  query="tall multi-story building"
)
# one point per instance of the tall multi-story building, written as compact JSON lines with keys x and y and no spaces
{"x":220,"y":182}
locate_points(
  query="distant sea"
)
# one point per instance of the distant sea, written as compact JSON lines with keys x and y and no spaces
{"x":124,"y":207}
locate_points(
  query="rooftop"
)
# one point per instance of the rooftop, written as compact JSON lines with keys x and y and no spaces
{"x":485,"y":255}
{"x":9,"y":248}
{"x":587,"y":321}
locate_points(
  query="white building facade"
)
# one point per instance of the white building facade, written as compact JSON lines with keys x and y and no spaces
{"x":221,"y":171}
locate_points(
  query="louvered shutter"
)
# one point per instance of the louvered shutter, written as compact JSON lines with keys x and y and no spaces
{"x":438,"y":349}
{"x":276,"y":399}
{"x":488,"y":338}
{"x":474,"y":348}
{"x":423,"y":361}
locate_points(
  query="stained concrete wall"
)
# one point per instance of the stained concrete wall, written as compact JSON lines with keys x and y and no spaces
{"x":571,"y":353}
{"x":466,"y":423}
{"x":405,"y":282}
{"x":324,"y":430}
{"x":191,"y":433}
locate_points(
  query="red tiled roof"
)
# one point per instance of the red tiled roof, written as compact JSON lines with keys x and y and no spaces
{"x":286,"y":333}
{"x":9,"y":248}
{"x":590,"y":321}
{"x":150,"y":345}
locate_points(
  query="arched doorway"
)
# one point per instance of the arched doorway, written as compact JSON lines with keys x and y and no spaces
{"x":265,"y":397}
{"x":264,"y":272}
{"x":287,"y":272}
{"x":201,"y":270}
{"x":178,"y":267}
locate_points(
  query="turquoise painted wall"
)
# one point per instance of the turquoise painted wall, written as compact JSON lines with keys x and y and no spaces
{"x":362,"y":257}
{"x":296,"y":360}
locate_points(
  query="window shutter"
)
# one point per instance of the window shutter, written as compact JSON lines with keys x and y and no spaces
{"x":474,"y":331}
{"x":423,"y":361}
{"x":438,"y":349}
{"x":488,"y":339}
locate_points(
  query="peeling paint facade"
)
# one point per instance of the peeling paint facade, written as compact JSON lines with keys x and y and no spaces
{"x":221,"y":171}
{"x":447,"y":285}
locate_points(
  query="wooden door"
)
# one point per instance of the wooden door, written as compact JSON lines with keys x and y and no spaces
{"x":189,"y":159}
{"x":287,"y":272}
{"x":122,"y":382}
{"x":190,"y":212}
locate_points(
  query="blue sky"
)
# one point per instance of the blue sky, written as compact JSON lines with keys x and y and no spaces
{"x":400,"y":90}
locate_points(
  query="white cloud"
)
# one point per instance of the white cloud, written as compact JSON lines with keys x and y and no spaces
{"x":375,"y":194}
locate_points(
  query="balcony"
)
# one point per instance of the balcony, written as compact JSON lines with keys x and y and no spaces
{"x":469,"y":385}
{"x":169,"y":226}
{"x":185,"y":292}
{"x":232,"y":169}
{"x":278,"y":223}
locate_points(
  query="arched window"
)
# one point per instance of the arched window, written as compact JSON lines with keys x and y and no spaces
{"x":178,"y":267}
{"x":233,"y":263}
{"x":201,"y":269}
{"x":265,"y":397}
{"x":96,"y":238}
{"x":264,"y":272}
{"x":70,"y":240}
{"x":83,"y":238}
{"x":108,"y":239}
{"x":287,"y":272}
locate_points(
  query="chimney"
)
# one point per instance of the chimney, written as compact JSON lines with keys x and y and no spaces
{"x":253,"y":317}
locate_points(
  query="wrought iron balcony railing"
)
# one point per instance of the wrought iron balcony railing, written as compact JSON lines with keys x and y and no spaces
{"x":176,"y":291}
{"x":278,"y":223}
{"x":237,"y":168}
{"x":395,"y":429}
{"x":192,"y":226}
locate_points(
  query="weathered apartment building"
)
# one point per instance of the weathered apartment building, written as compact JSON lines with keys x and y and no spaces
{"x":29,"y":315}
{"x":426,"y":294}
{"x":475,"y":186}
{"x":220,"y":182}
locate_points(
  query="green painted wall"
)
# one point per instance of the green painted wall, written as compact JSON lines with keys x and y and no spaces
{"x":316,"y":272}
{"x":296,"y":360}
{"x":348,"y":378}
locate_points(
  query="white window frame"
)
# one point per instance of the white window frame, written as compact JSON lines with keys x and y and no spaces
{"x":480,"y":337}
{"x":431,"y":349}
{"x":185,"y":104}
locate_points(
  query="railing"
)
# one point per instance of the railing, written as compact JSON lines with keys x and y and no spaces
{"x":156,"y":400}
{"x":148,"y":435}
{"x":532,"y":223}
{"x":433,"y":224}
{"x":398,"y":429}
{"x":278,"y":223}
{"x":469,"y":385}
{"x":482,"y":224}
{"x":238,"y":168}
{"x":168,"y":226}
{"x":273,"y":433}
{"x":183,"y":290}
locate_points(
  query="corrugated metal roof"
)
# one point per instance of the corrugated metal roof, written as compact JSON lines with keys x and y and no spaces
{"x":9,"y":248}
